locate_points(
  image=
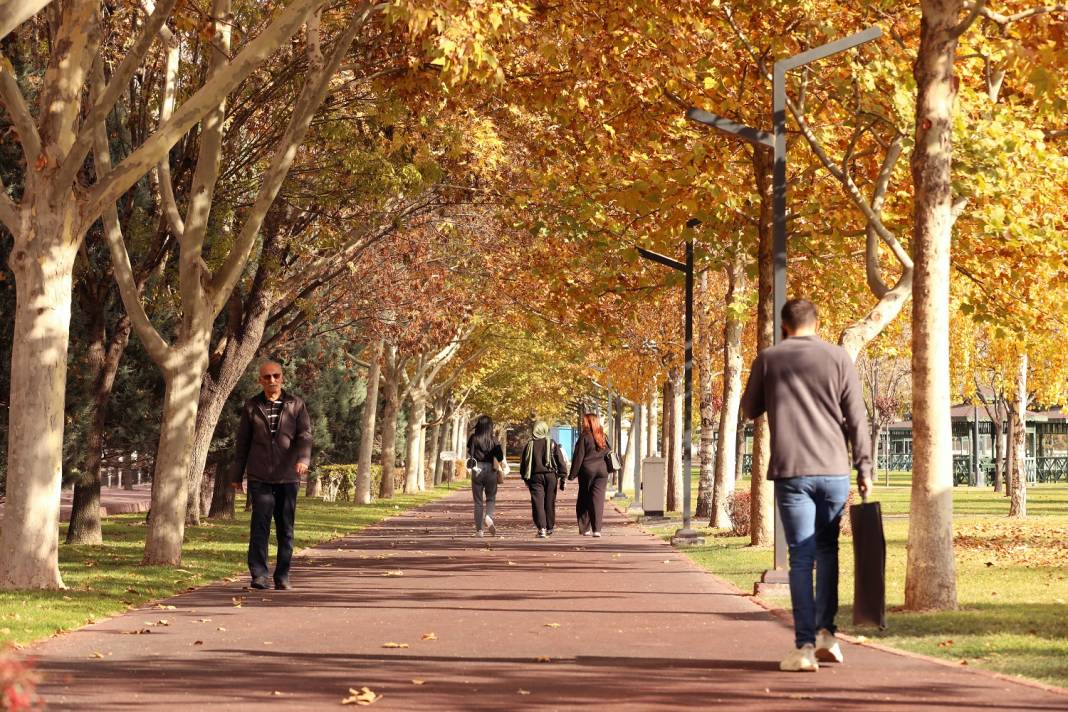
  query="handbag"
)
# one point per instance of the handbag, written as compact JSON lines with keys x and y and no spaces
{"x":611,"y":460}
{"x":869,"y":557}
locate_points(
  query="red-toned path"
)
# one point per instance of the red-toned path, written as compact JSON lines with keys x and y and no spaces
{"x":620,"y":623}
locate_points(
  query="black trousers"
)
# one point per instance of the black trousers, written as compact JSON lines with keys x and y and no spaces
{"x":589,"y":507}
{"x":280,"y":503}
{"x":543,"y":499}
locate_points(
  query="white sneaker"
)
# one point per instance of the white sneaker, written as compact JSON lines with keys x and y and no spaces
{"x":827,"y":648}
{"x":491,"y":526}
{"x":801,"y":659}
{"x":478,"y":533}
{"x":542,"y":534}
{"x":597,"y":534}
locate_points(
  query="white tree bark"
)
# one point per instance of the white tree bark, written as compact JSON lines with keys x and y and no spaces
{"x":14,"y":12}
{"x":930,"y":577}
{"x":1018,"y":495}
{"x":367,"y":425}
{"x":733,"y":329}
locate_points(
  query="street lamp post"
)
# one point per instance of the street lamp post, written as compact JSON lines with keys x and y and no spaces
{"x":777,"y":142}
{"x":685,"y":536}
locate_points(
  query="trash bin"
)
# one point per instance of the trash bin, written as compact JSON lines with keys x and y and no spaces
{"x":654,"y":486}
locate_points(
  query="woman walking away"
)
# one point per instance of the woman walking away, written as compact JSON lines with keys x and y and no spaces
{"x":588,"y":464}
{"x":540,"y":467}
{"x":483,"y":448}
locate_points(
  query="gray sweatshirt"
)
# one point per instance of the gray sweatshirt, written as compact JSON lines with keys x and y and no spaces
{"x":811,"y":393}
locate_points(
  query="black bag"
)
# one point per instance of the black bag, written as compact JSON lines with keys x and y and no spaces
{"x":869,"y":561}
{"x":611,"y":461}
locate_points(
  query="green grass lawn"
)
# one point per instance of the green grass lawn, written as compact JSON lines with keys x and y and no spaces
{"x":1012,"y":581}
{"x":107,"y":579}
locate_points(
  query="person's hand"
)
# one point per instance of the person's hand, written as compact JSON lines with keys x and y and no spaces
{"x":301,"y":468}
{"x":864,"y":484}
{"x":237,"y":487}
{"x":570,"y":477}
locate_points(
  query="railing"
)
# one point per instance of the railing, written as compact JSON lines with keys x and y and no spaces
{"x":1039,"y":469}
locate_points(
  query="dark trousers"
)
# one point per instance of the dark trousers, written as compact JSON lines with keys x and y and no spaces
{"x":543,"y":499}
{"x":271,"y":501}
{"x":589,"y":507}
{"x":811,"y":511}
{"x":484,"y":493}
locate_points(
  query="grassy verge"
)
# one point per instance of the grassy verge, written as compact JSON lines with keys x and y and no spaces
{"x":1012,"y":582}
{"x":107,"y":579}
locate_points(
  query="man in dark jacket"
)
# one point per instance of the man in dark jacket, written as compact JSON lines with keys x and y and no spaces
{"x":811,"y":394}
{"x":273,"y":447}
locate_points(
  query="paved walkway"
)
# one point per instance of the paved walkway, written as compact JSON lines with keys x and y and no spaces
{"x":113,"y":500}
{"x":512,"y":623}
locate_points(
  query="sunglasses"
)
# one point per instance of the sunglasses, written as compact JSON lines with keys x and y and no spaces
{"x":271,"y":377}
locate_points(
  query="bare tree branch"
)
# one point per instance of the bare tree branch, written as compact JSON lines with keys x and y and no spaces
{"x":74,"y":159}
{"x":15,"y":104}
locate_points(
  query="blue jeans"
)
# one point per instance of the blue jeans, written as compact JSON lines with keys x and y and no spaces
{"x":811,"y":510}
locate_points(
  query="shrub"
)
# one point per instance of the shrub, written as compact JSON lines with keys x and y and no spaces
{"x":740,"y":512}
{"x":338,"y":482}
{"x":18,"y":684}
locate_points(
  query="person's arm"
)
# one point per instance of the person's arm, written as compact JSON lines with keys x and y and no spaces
{"x":856,"y":424}
{"x":525,"y":465}
{"x":498,"y":452}
{"x":242,"y":441}
{"x":753,"y":405}
{"x":303,"y":440}
{"x":576,"y":458}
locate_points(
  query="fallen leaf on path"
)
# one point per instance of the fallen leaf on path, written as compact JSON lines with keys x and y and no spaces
{"x":418,"y":682}
{"x":221,"y":628}
{"x":393,"y":573}
{"x":963,"y":662}
{"x":543,"y":659}
{"x":552,"y":625}
{"x":363,"y":696}
{"x":139,"y":631}
{"x":523,"y":692}
{"x":238,"y":601}
{"x":97,"y":655}
{"x":268,"y":642}
{"x":395,"y":645}
{"x":198,"y":642}
{"x":202,"y":620}
{"x":430,"y":636}
{"x":165,"y":607}
{"x":277,"y":693}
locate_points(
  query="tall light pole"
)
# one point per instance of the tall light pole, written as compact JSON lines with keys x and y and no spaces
{"x":777,"y":142}
{"x":686,"y":536}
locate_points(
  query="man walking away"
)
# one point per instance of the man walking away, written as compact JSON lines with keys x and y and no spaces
{"x":811,"y":394}
{"x":273,"y":446}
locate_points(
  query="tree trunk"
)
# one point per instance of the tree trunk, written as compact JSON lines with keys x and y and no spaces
{"x":435,"y":439}
{"x":668,"y":438}
{"x":996,"y":426}
{"x":367,"y":426}
{"x":84,"y":527}
{"x":1018,"y":498}
{"x":706,"y":405}
{"x":43,"y":267}
{"x":652,"y":425}
{"x":413,"y":431}
{"x":677,"y":431}
{"x":726,"y":454}
{"x":762,"y":501}
{"x":930,"y":576}
{"x":739,"y":447}
{"x":390,"y":406}
{"x":239,"y":352}
{"x":166,"y":526}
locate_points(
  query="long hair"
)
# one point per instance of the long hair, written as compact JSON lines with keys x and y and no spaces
{"x":592,"y":424}
{"x":483,"y":435}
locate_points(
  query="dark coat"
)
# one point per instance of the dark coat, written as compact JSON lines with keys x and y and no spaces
{"x":266,"y":458}
{"x":588,"y":459}
{"x":535,"y":460}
